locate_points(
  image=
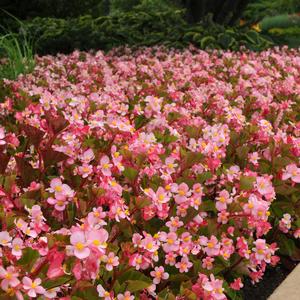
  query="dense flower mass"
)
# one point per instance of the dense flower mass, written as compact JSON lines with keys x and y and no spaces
{"x":153,"y":174}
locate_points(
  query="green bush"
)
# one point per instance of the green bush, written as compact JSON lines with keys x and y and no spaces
{"x":137,"y":29}
{"x":259,"y":9}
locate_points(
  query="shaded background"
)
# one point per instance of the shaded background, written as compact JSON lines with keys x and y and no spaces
{"x":65,"y":25}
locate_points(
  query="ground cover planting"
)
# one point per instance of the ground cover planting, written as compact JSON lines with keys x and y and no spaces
{"x":149,"y":174}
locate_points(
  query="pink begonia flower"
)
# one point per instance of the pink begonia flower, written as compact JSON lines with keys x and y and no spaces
{"x":126,"y":296}
{"x":297,"y":233}
{"x":9,"y":277}
{"x":105,"y":166}
{"x":207,"y":262}
{"x":174,"y":223}
{"x":291,"y":172}
{"x":60,"y":202}
{"x":184,"y":265}
{"x":17,"y":246}
{"x":170,"y":165}
{"x":103,"y":293}
{"x":24,"y":227}
{"x":214,"y":288}
{"x":52,"y":293}
{"x":260,"y":249}
{"x":5,"y":239}
{"x":98,"y":238}
{"x":85,"y":170}
{"x":236,"y":284}
{"x":149,"y":244}
{"x":159,"y":274}
{"x":171,"y":242}
{"x":264,"y":186}
{"x":80,"y":245}
{"x":95,"y":218}
{"x":183,"y":193}
{"x":253,"y":158}
{"x":87,"y":156}
{"x":2,"y":136}
{"x":170,"y":258}
{"x":285,"y":223}
{"x":161,"y":197}
{"x":111,"y":261}
{"x":60,"y":189}
{"x":212,"y":247}
{"x":223,"y":199}
{"x":33,"y":287}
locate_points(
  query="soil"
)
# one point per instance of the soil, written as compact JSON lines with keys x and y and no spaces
{"x":271,"y":280}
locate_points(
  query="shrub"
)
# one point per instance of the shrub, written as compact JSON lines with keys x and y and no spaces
{"x":149,"y":174}
{"x":137,"y":29}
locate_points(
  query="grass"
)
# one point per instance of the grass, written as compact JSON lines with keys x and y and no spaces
{"x":16,"y":54}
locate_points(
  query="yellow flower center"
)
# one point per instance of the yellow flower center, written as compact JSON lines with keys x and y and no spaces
{"x":210,"y":245}
{"x":58,"y":188}
{"x":181,"y":192}
{"x":8,"y":276}
{"x":170,"y":241}
{"x":79,"y":246}
{"x":33,"y":285}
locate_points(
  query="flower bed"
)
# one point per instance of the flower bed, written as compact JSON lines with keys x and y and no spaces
{"x":154,"y":174}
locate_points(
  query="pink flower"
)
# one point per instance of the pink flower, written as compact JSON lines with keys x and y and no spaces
{"x":111,"y":261}
{"x":159,"y":274}
{"x":260,"y":249}
{"x":79,"y":245}
{"x":183,"y":193}
{"x":5,"y":239}
{"x":236,"y":284}
{"x":2,"y":136}
{"x":87,"y":156}
{"x":85,"y":170}
{"x":59,"y":202}
{"x":214,"y":288}
{"x":207,"y":263}
{"x":97,"y":239}
{"x":126,"y":296}
{"x":9,"y":276}
{"x":170,"y":165}
{"x":52,"y":293}
{"x":103,"y":293}
{"x":222,"y":201}
{"x":105,"y":166}
{"x":184,"y":265}
{"x":293,"y":172}
{"x":264,"y":186}
{"x":171,"y":242}
{"x":17,"y":246}
{"x":212,"y":247}
{"x":33,"y":287}
{"x":60,"y":189}
{"x":174,"y":223}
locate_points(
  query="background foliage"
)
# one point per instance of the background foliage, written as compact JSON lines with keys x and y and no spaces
{"x":62,"y":26}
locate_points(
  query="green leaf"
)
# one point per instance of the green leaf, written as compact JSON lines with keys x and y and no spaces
{"x":246,"y":183}
{"x":49,"y":284}
{"x":130,"y":173}
{"x":138,"y":285}
{"x":140,"y":121}
{"x":28,"y":258}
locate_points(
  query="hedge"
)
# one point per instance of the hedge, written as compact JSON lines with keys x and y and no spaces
{"x":169,"y":28}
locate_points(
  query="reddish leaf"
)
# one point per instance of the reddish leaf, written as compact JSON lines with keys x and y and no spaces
{"x":52,"y":157}
{"x":27,"y":172}
{"x":4,"y":159}
{"x":34,"y":134}
{"x":56,"y":122}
